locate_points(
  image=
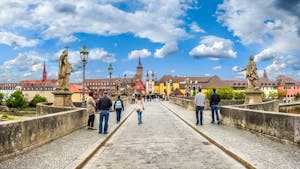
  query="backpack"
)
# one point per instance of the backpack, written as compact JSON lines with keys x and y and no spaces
{"x":118,"y":104}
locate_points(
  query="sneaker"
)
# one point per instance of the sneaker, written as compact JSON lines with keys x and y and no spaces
{"x":212,"y":122}
{"x":105,"y":132}
{"x":218,"y":122}
{"x":100,"y":132}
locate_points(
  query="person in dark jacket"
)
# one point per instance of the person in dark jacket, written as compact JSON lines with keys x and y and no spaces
{"x":214,"y":105}
{"x":118,"y":107}
{"x":104,"y":105}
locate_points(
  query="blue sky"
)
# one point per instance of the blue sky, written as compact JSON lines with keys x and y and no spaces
{"x":177,"y":37}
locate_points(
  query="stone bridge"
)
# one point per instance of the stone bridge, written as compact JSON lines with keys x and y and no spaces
{"x":167,"y":138}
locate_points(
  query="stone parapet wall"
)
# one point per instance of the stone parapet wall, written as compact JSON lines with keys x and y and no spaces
{"x":280,"y":125}
{"x":189,"y":104}
{"x":47,"y":108}
{"x":272,"y":105}
{"x":19,"y":136}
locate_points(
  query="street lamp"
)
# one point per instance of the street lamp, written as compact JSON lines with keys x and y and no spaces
{"x":110,"y":69}
{"x":84,"y":56}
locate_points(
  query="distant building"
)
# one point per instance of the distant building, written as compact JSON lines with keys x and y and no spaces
{"x":289,"y":85}
{"x":117,"y":86}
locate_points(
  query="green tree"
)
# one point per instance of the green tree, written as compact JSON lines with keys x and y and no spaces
{"x":273,"y":95}
{"x":263,"y":95}
{"x":297,"y":96}
{"x":37,"y":99}
{"x":16,"y":100}
{"x":281,"y":94}
{"x":224,"y":92}
{"x":239,"y":94}
{"x":1,"y":98}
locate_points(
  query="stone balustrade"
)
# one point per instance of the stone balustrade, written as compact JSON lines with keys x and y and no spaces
{"x":22,"y":135}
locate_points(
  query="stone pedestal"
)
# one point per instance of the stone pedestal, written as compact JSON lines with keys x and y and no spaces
{"x":63,"y":99}
{"x":253,"y":97}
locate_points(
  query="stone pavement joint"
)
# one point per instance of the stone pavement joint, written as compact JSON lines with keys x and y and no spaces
{"x":83,"y":159}
{"x":258,"y":150}
{"x":64,"y":151}
{"x":227,"y":151}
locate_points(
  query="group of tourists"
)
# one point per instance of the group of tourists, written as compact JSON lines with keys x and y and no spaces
{"x":104,"y":105}
{"x":199,"y":102}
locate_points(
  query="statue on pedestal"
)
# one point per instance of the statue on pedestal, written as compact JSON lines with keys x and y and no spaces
{"x":253,"y":93}
{"x":65,"y":69}
{"x":62,"y":95}
{"x":251,"y":75}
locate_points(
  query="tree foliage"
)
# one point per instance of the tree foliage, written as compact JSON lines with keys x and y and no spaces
{"x":281,"y":94}
{"x":224,"y":92}
{"x":239,"y":94}
{"x":1,"y":98}
{"x":16,"y":100}
{"x":37,"y":99}
{"x":273,"y":95}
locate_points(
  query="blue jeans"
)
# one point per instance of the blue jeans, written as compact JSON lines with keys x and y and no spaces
{"x":139,"y":115}
{"x":199,"y":109}
{"x":214,"y":109}
{"x":104,"y":114}
{"x":118,"y":113}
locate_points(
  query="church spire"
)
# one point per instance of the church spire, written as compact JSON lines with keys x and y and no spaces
{"x":44,"y":73}
{"x":265,"y":74}
{"x":140,"y":63}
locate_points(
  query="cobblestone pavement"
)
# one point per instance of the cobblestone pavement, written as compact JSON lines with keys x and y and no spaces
{"x":162,"y":141}
{"x":63,"y":151}
{"x":258,"y":150}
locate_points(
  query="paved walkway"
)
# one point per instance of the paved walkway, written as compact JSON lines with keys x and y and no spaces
{"x":260,"y":151}
{"x":60,"y":153}
{"x":162,"y":141}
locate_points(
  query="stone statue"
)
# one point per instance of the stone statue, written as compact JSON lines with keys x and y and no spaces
{"x":65,"y":69}
{"x":251,"y":75}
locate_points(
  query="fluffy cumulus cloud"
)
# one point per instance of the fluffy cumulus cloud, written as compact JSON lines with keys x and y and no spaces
{"x":217,"y":68}
{"x":265,"y":55}
{"x":15,"y":41}
{"x":158,"y":21}
{"x":144,"y":53}
{"x":214,"y":47}
{"x":167,"y":49}
{"x":24,"y":62}
{"x":274,"y":22}
{"x":195,"y":28}
{"x":235,"y":68}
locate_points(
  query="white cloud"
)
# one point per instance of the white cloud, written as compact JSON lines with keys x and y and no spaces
{"x":94,"y":54}
{"x":195,"y":28}
{"x":128,"y":73}
{"x":266,"y":54}
{"x":144,"y":53}
{"x":158,"y":21}
{"x":167,"y":49}
{"x":213,"y":47}
{"x":235,"y":68}
{"x":217,"y":68}
{"x":15,"y":41}
{"x":277,"y":67}
{"x":37,"y":67}
{"x":23,"y":61}
{"x":261,"y":23}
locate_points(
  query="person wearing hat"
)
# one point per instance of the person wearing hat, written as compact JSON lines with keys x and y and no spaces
{"x":104,"y":105}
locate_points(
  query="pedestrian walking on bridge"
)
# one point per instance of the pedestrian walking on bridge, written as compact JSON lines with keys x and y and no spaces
{"x":139,"y":108}
{"x":214,"y":105}
{"x":118,"y":107}
{"x":199,"y":102}
{"x":91,"y":109}
{"x":104,"y":106}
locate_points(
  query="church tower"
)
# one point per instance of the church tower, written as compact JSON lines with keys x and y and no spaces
{"x":44,"y":74}
{"x":139,"y":70}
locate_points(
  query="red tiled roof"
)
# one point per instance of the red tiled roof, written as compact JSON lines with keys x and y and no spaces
{"x":77,"y":88}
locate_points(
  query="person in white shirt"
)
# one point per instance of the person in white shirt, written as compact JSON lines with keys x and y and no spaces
{"x":199,"y":102}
